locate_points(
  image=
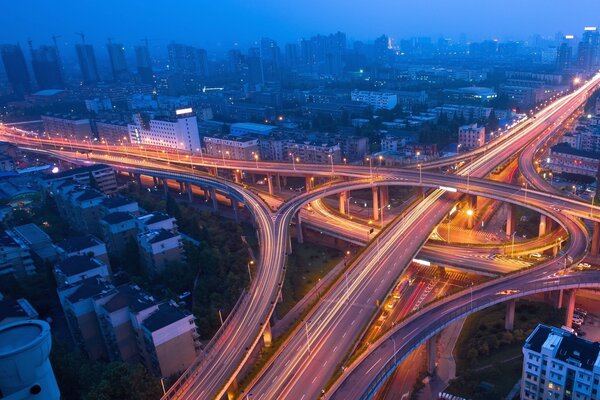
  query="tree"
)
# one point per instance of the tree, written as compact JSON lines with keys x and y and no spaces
{"x":492,"y":122}
{"x":93,"y":182}
{"x":173,"y":209}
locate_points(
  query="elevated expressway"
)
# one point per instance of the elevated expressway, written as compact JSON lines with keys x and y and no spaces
{"x":211,"y":377}
{"x":313,"y":354}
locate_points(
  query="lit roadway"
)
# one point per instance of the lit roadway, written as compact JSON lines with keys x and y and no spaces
{"x":313,"y":353}
{"x":337,"y":321}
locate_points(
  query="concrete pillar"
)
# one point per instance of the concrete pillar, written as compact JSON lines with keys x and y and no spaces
{"x":543,"y":225}
{"x":190,"y":194}
{"x":234,"y":206}
{"x":155,"y":180}
{"x":284,"y":178}
{"x":309,"y":183}
{"x":237,"y":176}
{"x":384,"y":193}
{"x":213,"y":197}
{"x":165,"y":183}
{"x":343,"y":200}
{"x":431,"y":354}
{"x":472,"y":201}
{"x":509,"y":319}
{"x":279,"y":183}
{"x":181,"y":187}
{"x":270,"y":183}
{"x":570,"y":307}
{"x":375,"y":203}
{"x":595,"y":240}
{"x":558,"y":298}
{"x":511,"y":219}
{"x":206,"y":197}
{"x":299,"y":235}
{"x":138,"y":179}
{"x":555,"y":250}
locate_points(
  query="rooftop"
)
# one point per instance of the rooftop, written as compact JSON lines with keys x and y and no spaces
{"x":158,"y":235}
{"x":116,"y":201}
{"x":130,"y":296}
{"x":78,"y":243}
{"x":19,"y":308}
{"x":77,"y":264}
{"x":117,"y":217}
{"x":88,"y":288}
{"x":77,"y":171}
{"x":165,"y":315}
{"x":154,"y":217}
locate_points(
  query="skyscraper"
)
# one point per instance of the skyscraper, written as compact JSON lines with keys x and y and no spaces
{"x":188,"y":60}
{"x":564,"y":53}
{"x":16,"y":69}
{"x":87,"y":63}
{"x":116,"y":54}
{"x":144,"y":64}
{"x":588,"y":56}
{"x":271,"y":59}
{"x":46,"y":67}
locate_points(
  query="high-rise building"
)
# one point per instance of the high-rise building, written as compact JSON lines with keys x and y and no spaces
{"x":588,"y":56}
{"x":46,"y":67}
{"x":234,"y":60}
{"x":87,"y":63}
{"x":118,"y":64}
{"x":324,"y":54}
{"x":144,"y":64}
{"x":255,"y":73}
{"x":188,"y":60}
{"x":564,"y":53}
{"x":291,"y":55}
{"x":270,"y":55}
{"x":16,"y":69}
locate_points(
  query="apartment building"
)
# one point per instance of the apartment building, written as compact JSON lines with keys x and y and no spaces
{"x":118,"y":229}
{"x":79,"y":267}
{"x":158,"y":249}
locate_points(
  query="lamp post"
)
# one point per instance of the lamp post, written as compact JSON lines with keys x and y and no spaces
{"x":330,"y":155}
{"x":293,"y":160}
{"x":251,"y":262}
{"x":370,"y":167}
{"x":512,"y":251}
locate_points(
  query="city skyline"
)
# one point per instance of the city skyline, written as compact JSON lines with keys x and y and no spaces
{"x":203,"y":25}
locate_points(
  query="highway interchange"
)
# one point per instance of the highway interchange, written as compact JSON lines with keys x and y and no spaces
{"x":307,"y":360}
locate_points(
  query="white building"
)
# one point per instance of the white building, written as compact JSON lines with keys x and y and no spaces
{"x":377,"y":100}
{"x":77,"y":268}
{"x":559,"y":365}
{"x":230,"y":147}
{"x":178,"y":132}
{"x":471,"y":136}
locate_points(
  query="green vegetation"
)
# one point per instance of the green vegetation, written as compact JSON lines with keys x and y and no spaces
{"x":306,"y":266}
{"x":486,"y":352}
{"x":80,"y":378}
{"x":215,"y":270}
{"x":45,"y":215}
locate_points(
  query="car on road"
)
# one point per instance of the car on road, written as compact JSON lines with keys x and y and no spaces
{"x":581,"y":311}
{"x":577,"y":320}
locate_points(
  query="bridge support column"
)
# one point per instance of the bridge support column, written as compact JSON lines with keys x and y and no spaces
{"x":289,"y":244}
{"x":284,"y":179}
{"x":138,"y":179}
{"x":375,"y":204}
{"x":595,"y":240}
{"x":509,"y":319}
{"x":155,"y":180}
{"x":558,"y":298}
{"x":270,"y":183}
{"x":213,"y":197}
{"x":267,"y":335}
{"x":310,"y":183}
{"x":570,"y":307}
{"x":343,"y":200}
{"x":511,"y":219}
{"x":431,"y":354}
{"x":165,"y":184}
{"x":543,"y":228}
{"x":237,"y":176}
{"x":181,"y":187}
{"x":299,"y":236}
{"x":279,"y":183}
{"x":234,"y":206}
{"x":472,"y":201}
{"x":384,"y":193}
{"x":190,"y":194}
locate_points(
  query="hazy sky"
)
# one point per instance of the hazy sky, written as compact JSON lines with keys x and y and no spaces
{"x":208,"y":22}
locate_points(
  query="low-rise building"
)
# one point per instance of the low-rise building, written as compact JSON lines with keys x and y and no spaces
{"x":67,"y":127}
{"x":120,"y":204}
{"x":37,"y":240}
{"x":564,"y":158}
{"x":377,"y":100}
{"x":158,"y":249}
{"x":250,"y":128}
{"x":83,"y":245}
{"x":559,"y":365}
{"x":232,"y":147}
{"x":81,"y":206}
{"x":78,"y":304}
{"x":179,"y":131}
{"x":15,"y":257}
{"x":77,"y":268}
{"x":104,"y":176}
{"x":16,"y":310}
{"x":471,"y":136}
{"x":119,"y":230}
{"x":156,"y":221}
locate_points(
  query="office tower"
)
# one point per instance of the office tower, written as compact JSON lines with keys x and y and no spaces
{"x":291,"y":55}
{"x":116,"y":55}
{"x":271,"y":59}
{"x":16,"y":69}
{"x":564,"y":53}
{"x":588,"y":56}
{"x":255,"y":71}
{"x":87,"y":63}
{"x":324,"y":54}
{"x":234,"y":60}
{"x":188,"y":60}
{"x":46,"y":67}
{"x":381,"y":48}
{"x":144,"y":64}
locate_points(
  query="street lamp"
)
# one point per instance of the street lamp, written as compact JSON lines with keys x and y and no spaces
{"x":370,"y":167}
{"x":512,"y":252}
{"x":331,"y":159}
{"x":293,"y":160}
{"x":256,"y":159}
{"x":251,"y":262}
{"x":380,"y":160}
